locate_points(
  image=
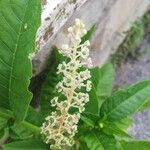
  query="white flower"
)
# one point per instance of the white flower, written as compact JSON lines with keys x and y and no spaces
{"x":88,"y":86}
{"x":65,"y":47}
{"x":61,"y":126}
{"x":70,"y":29}
{"x":78,"y":22}
{"x":87,"y":43}
{"x":65,"y":50}
{"x":84,"y":52}
{"x":88,"y":62}
{"x":84,"y":32}
{"x":54,"y":101}
{"x":84,"y":75}
{"x":62,"y":68}
{"x":67,"y":81}
{"x":60,"y":86}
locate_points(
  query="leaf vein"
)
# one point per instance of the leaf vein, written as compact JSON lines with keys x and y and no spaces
{"x":16,"y":47}
{"x":8,"y":23}
{"x":6,"y":45}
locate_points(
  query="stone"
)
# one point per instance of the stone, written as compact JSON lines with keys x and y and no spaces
{"x":112,"y":18}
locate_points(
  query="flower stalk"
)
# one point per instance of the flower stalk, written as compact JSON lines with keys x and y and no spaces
{"x":61,"y":126}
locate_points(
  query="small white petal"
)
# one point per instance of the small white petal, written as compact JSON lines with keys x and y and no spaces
{"x":70,"y":29}
{"x":65,"y":47}
{"x":87,"y":43}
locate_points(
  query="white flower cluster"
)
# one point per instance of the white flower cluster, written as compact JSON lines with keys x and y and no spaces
{"x":61,"y":126}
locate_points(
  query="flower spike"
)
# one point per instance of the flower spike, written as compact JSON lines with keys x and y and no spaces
{"x":61,"y":126}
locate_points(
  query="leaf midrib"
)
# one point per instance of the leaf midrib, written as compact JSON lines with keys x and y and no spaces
{"x":124,"y":102}
{"x":97,"y":139}
{"x":15,"y":51}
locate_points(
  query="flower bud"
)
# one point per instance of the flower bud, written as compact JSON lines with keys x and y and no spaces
{"x":87,"y":43}
{"x":70,"y":29}
{"x":77,"y":22}
{"x":65,"y":47}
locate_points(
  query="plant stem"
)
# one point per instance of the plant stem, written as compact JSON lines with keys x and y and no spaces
{"x":5,"y":115}
{"x":4,"y":139}
{"x":28,"y":125}
{"x":31,"y":127}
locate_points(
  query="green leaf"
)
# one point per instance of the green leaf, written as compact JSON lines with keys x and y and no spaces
{"x":3,"y":123}
{"x":31,"y":123}
{"x":83,"y":146}
{"x":125,"y":102}
{"x":106,"y":77}
{"x":102,"y":79}
{"x":135,"y":145}
{"x":26,"y":145}
{"x":97,"y":140}
{"x":113,"y":129}
{"x":92,"y":106}
{"x":34,"y":117}
{"x":18,"y":132}
{"x":89,"y":34}
{"x":88,"y":121}
{"x":18,"y":28}
{"x":146,"y":105}
{"x":2,"y":132}
{"x":5,"y":113}
{"x":124,"y":123}
{"x":93,"y":142}
{"x":108,"y":141}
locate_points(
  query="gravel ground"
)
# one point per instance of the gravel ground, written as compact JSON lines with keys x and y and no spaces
{"x":131,"y":72}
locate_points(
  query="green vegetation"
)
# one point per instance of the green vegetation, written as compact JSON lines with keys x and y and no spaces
{"x":107,"y":115}
{"x":133,"y":40}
